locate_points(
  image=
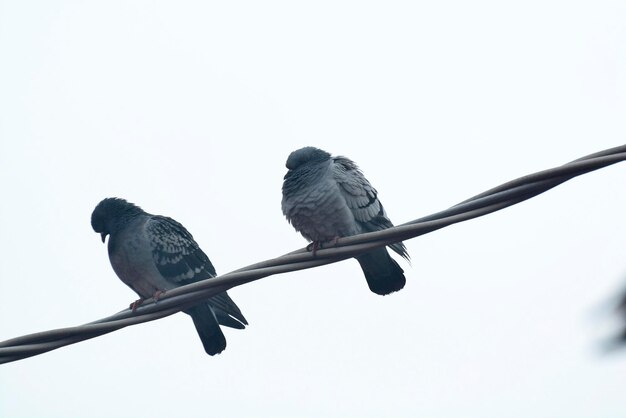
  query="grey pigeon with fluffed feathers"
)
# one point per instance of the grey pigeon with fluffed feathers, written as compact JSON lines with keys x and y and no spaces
{"x":327,"y":197}
{"x":153,"y":254}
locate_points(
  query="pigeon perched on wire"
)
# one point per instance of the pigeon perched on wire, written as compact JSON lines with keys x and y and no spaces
{"x":327,"y":197}
{"x":153,"y":254}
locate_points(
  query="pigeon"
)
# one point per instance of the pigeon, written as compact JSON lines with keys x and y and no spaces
{"x":326,"y":197}
{"x":153,"y":254}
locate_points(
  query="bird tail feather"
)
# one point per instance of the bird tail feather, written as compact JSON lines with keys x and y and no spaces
{"x":227,"y":312}
{"x":383,"y":274}
{"x":208,"y":329}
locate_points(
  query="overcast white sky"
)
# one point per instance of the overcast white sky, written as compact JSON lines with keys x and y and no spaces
{"x":190,"y":110}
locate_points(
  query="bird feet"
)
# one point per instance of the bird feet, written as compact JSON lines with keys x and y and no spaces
{"x":133,"y":306}
{"x":313,"y":247}
{"x":157,"y":295}
{"x":333,"y":242}
{"x":318,"y":245}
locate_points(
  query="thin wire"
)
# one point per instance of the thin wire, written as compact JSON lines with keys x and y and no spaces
{"x":175,"y":300}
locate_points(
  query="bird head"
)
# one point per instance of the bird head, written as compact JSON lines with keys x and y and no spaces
{"x":110,"y":214}
{"x":306,"y":155}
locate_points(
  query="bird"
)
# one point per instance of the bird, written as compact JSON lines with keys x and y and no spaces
{"x":153,"y":254}
{"x":327,"y":197}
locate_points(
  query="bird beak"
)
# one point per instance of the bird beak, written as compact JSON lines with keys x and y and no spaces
{"x":103,"y":235}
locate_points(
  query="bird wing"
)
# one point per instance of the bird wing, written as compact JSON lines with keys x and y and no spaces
{"x":362,"y":199}
{"x":176,"y":254}
{"x":180,"y":260}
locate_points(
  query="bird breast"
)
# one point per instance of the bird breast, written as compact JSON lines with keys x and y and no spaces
{"x":132,"y":261}
{"x":318,"y":209}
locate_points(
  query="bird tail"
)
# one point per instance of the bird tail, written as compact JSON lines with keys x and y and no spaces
{"x":208,"y":329}
{"x":227,"y":312}
{"x":383,"y":274}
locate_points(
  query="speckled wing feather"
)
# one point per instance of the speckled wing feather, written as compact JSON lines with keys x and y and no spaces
{"x":176,"y":254}
{"x":180,"y":260}
{"x":362,"y":199}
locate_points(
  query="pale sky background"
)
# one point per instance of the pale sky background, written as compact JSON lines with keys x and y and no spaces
{"x":190,"y":110}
